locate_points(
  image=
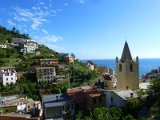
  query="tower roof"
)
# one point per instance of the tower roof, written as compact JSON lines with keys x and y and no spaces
{"x":126,"y":55}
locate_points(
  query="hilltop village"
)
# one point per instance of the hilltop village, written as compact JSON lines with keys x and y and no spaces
{"x":39,"y":83}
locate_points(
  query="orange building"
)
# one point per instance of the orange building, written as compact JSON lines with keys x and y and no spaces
{"x":48,"y":62}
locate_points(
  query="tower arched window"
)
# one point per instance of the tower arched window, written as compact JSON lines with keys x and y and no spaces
{"x":131,"y":67}
{"x":120,"y":67}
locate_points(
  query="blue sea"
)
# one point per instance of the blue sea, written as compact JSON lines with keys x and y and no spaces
{"x":145,"y":65}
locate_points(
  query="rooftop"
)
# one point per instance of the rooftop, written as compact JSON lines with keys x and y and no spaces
{"x":78,"y":89}
{"x":17,"y":116}
{"x":126,"y":55}
{"x":126,"y":94}
{"x":55,"y":100}
{"x":144,"y":85}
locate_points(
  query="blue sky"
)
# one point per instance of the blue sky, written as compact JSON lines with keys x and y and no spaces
{"x":91,"y":29}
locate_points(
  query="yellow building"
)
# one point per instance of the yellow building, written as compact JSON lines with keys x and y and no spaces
{"x":127,"y":70}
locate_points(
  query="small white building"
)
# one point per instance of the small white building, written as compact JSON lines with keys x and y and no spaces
{"x":30,"y":46}
{"x":90,"y":65}
{"x":69,"y":59}
{"x":8,"y":75}
{"x":4,"y":46}
{"x":25,"y":45}
{"x":118,"y":98}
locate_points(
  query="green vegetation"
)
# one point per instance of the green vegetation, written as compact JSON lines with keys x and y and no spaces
{"x":153,"y":99}
{"x":7,"y":35}
{"x":106,"y":114}
{"x":33,"y":90}
{"x":79,"y":74}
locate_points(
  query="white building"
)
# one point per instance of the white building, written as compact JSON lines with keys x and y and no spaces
{"x":90,"y":65}
{"x":30,"y":46}
{"x":8,"y":75}
{"x":25,"y":45}
{"x":118,"y":98}
{"x":4,"y":46}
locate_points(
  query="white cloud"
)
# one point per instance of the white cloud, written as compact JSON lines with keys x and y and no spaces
{"x":52,"y":38}
{"x":55,"y":47}
{"x":48,"y":39}
{"x":35,"y":16}
{"x":65,"y":4}
{"x":11,"y":23}
{"x":82,"y":1}
{"x":44,"y":31}
{"x":36,"y":22}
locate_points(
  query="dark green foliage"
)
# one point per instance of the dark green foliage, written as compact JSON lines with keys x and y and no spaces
{"x":128,"y":117}
{"x":47,"y":53}
{"x":133,"y":104}
{"x":9,"y":34}
{"x":79,"y":73}
{"x":105,"y":114}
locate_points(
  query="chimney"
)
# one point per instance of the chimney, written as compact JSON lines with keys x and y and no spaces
{"x":131,"y":95}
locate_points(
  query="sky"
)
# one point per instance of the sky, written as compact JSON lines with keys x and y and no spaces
{"x":91,"y":29}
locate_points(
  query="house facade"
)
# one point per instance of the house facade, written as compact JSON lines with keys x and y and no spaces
{"x":3,"y":46}
{"x":8,"y":75}
{"x":118,"y":98}
{"x":19,"y":104}
{"x":69,"y":59}
{"x":95,"y":99}
{"x":30,"y":46}
{"x":48,"y":62}
{"x":45,"y":74}
{"x":25,"y":45}
{"x":86,"y":99}
{"x":90,"y":65}
{"x":58,"y":106}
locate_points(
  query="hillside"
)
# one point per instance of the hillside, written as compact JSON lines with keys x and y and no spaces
{"x":75,"y":74}
{"x":7,"y":35}
{"x":11,"y":56}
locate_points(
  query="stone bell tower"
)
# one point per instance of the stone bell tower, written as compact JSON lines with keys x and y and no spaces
{"x":127,"y":70}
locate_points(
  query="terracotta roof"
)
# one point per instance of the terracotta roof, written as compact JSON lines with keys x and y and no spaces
{"x":94,"y":93}
{"x":126,"y":55}
{"x":78,"y":93}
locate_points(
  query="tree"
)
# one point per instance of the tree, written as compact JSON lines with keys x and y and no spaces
{"x":115,"y":113}
{"x":128,"y":117}
{"x":13,"y":29}
{"x":106,"y":114}
{"x":100,"y":114}
{"x":133,"y":104}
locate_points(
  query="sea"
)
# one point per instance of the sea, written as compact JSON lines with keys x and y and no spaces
{"x":145,"y":65}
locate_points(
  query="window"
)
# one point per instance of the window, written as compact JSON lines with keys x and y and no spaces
{"x":6,"y":79}
{"x":131,"y":67}
{"x":7,"y":74}
{"x":67,"y":107}
{"x":111,"y":99}
{"x":120,"y":67}
{"x":100,"y":100}
{"x":94,"y":100}
{"x":127,"y":87}
{"x":11,"y":78}
{"x":40,"y":76}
